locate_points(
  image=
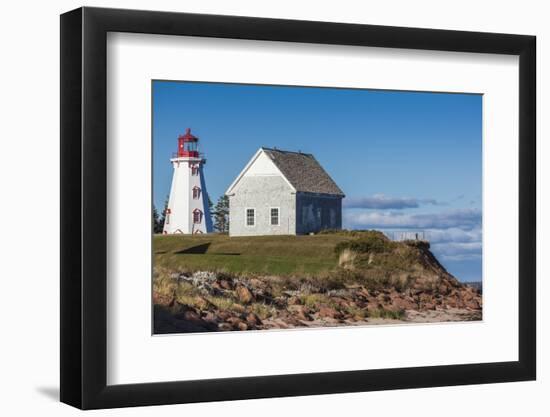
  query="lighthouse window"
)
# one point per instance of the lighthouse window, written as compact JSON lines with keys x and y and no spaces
{"x":197,"y":216}
{"x":196,"y":192}
{"x":194,"y":170}
{"x":250,"y":217}
{"x":274,"y":216}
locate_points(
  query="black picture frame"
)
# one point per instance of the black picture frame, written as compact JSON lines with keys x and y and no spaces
{"x":84,"y":207}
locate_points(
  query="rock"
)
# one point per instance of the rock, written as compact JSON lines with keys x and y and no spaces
{"x":384,"y":298}
{"x":402,"y":303}
{"x":253,"y":320}
{"x":279,"y":302}
{"x":294,"y":300}
{"x":288,"y":319}
{"x":343,"y":302}
{"x":237,"y":323}
{"x":225,"y":327}
{"x":225,"y":284}
{"x":190,"y":315}
{"x":443,"y":289}
{"x":224,"y":315}
{"x":330,"y":312}
{"x":300,"y":312}
{"x":279,"y":324}
{"x":244,"y":295}
{"x":256,"y":283}
{"x":429,"y":306}
{"x":363,"y":293}
{"x":162,"y":299}
{"x":202,"y":303}
{"x":204,"y":276}
{"x":210,"y":316}
{"x":473,"y":304}
{"x":331,"y":321}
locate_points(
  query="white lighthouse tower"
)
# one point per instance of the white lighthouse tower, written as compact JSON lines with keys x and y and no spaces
{"x":188,"y":211}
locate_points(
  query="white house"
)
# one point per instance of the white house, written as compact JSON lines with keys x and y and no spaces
{"x":283,"y":192}
{"x":188,"y":210}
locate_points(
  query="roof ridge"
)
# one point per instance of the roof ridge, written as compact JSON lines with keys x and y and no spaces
{"x":265,"y":148}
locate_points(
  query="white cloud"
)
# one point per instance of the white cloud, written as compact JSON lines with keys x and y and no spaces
{"x":454,"y":234}
{"x":458,"y":250}
{"x":465,"y":219}
{"x":382,"y":201}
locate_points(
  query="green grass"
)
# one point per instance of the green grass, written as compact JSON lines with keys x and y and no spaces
{"x":261,"y":255}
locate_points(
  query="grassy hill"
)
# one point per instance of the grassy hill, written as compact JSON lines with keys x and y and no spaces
{"x":216,"y":282}
{"x":265,"y":255}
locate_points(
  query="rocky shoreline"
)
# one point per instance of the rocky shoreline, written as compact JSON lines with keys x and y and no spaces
{"x":221,"y":302}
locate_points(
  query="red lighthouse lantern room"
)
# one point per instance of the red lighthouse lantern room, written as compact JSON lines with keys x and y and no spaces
{"x":188,"y":145}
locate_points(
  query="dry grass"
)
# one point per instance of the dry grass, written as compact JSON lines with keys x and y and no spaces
{"x":347,"y":259}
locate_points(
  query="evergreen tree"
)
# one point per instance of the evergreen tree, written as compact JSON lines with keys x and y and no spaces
{"x":211,"y":209}
{"x":157,"y":225}
{"x":163,"y":215}
{"x":221,"y":214}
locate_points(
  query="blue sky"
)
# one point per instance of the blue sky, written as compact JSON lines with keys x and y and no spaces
{"x":405,"y":160}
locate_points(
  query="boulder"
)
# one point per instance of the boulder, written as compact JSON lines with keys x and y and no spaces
{"x":244,"y":295}
{"x":225,"y":284}
{"x":253,"y":320}
{"x":202,"y":303}
{"x":224,"y":315}
{"x":300,"y":312}
{"x":329,"y":312}
{"x":225,"y":327}
{"x":288,"y":319}
{"x":190,"y":315}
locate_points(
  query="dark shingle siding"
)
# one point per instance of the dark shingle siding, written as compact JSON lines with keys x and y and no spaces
{"x":304,"y":172}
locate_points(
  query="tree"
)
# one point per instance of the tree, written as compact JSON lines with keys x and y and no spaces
{"x":157,"y":225}
{"x":221,"y":214}
{"x":163,"y":216}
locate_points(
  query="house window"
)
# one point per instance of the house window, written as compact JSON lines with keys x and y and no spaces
{"x":274,"y":213}
{"x":250,"y":217}
{"x":197,"y":216}
{"x":196,"y":193}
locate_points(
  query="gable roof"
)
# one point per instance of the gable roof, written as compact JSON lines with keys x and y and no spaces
{"x":301,"y":170}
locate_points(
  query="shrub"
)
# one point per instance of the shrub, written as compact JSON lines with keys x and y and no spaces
{"x":368,"y":242}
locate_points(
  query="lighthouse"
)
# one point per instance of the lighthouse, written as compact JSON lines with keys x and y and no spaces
{"x":188,"y":210}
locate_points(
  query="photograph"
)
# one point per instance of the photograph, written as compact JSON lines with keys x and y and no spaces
{"x":294,"y":207}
